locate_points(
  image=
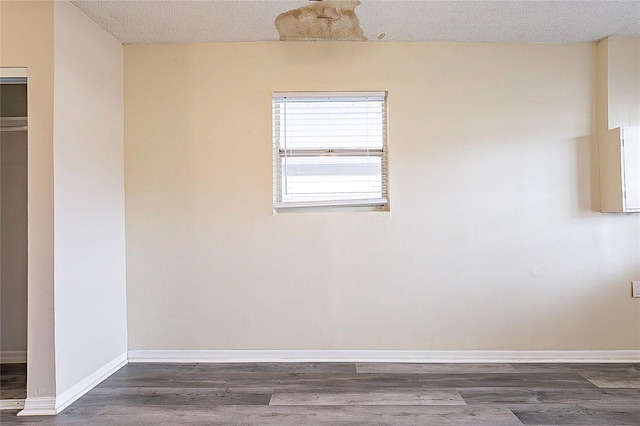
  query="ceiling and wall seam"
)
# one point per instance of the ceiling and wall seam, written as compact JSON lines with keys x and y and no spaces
{"x":508,"y":21}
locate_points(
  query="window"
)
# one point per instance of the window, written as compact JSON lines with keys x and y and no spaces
{"x":329,"y":150}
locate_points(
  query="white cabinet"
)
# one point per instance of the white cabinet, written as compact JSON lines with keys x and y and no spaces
{"x":619,"y":151}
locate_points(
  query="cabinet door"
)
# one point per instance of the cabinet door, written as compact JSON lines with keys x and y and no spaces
{"x":631,"y":165}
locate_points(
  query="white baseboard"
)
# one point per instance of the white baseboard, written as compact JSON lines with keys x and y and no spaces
{"x":13,"y":357}
{"x":39,"y":406}
{"x":69,"y":397}
{"x":228,"y":356}
{"x":11,"y":404}
{"x":53,"y":406}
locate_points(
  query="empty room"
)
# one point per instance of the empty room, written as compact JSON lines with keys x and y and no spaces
{"x":320,"y":212}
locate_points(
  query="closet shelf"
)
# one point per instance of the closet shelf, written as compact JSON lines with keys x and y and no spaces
{"x":13,"y":124}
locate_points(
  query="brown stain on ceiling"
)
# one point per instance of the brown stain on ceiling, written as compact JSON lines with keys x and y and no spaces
{"x":322,"y":20}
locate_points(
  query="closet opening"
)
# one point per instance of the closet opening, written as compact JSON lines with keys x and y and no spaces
{"x":13,"y":241}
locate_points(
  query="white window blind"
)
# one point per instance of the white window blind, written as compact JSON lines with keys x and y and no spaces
{"x":330,"y":149}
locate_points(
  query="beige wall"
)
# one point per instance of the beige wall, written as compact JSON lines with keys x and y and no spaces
{"x":26,"y":39}
{"x":13,"y":241}
{"x":493,"y":240}
{"x":90,"y":295}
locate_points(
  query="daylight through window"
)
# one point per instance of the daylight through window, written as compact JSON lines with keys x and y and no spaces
{"x":329,"y":149}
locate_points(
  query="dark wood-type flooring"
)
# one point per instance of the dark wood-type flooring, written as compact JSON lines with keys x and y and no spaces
{"x":358,"y":394}
{"x":13,"y":381}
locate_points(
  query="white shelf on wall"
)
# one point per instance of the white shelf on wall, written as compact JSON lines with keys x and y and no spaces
{"x":619,"y":151}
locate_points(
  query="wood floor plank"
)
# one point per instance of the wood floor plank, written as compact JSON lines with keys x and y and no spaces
{"x":173,"y":396}
{"x":313,"y":415}
{"x":164,"y":371}
{"x":13,"y":381}
{"x":350,"y":394}
{"x":431,"y":397}
{"x":498,"y":395}
{"x":625,"y":380}
{"x":358,"y":382}
{"x":566,"y":414}
{"x":434,"y":368}
{"x":9,"y":418}
{"x":13,"y":368}
{"x":574,"y":367}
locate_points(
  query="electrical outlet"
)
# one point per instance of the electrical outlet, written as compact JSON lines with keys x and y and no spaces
{"x":635,"y":285}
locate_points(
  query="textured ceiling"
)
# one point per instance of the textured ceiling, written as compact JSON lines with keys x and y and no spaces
{"x":158,"y":21}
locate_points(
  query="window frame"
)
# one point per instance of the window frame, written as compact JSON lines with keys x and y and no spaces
{"x":279,"y":154}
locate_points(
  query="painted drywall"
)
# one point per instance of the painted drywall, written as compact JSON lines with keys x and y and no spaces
{"x":493,"y":240}
{"x":602,"y":87}
{"x":26,"y":30}
{"x":90,"y":295}
{"x":623,"y":81}
{"x":13,"y":241}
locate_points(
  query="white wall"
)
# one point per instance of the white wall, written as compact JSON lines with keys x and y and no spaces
{"x":493,"y":241}
{"x":13,"y":241}
{"x":26,"y":40}
{"x":90,"y":296}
